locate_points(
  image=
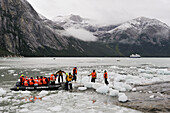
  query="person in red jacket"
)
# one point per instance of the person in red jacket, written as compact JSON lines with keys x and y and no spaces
{"x":94,"y":75}
{"x":45,"y":81}
{"x":106,"y":77}
{"x":31,"y":81}
{"x":26,"y":82}
{"x":36,"y":81}
{"x":52,"y":79}
{"x":74,"y":74}
{"x":40,"y":81}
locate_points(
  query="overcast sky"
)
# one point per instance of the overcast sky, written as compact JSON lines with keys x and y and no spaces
{"x":105,"y":11}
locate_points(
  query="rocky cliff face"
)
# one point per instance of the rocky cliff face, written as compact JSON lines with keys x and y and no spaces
{"x":23,"y":32}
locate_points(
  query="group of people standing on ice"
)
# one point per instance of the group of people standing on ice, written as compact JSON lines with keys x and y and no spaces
{"x":40,"y":81}
{"x":94,"y":76}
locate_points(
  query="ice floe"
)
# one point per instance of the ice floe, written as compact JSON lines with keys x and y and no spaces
{"x":82,"y":88}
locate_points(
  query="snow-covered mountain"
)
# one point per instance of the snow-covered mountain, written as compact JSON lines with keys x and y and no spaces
{"x":139,"y":29}
{"x":81,"y":28}
{"x":141,"y":35}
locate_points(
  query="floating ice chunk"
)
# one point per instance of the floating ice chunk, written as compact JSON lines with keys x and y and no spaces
{"x":2,"y":75}
{"x":55,"y":108}
{"x":42,"y":93}
{"x":134,"y":89}
{"x":2,"y":92}
{"x":103,"y":89}
{"x":111,"y":85}
{"x":11,"y":71}
{"x":96,"y":85}
{"x":120,"y":78}
{"x":149,"y":76}
{"x":127,"y":87}
{"x":141,"y":70}
{"x":113,"y":92}
{"x":88,"y":85}
{"x":152,"y":96}
{"x":123,"y":89}
{"x":15,"y":74}
{"x":24,"y":110}
{"x":82,"y":88}
{"x":163,"y":72}
{"x":149,"y":91}
{"x":122,"y":98}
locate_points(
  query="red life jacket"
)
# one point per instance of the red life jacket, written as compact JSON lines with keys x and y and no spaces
{"x":26,"y":83}
{"x":39,"y":81}
{"x":52,"y":77}
{"x":74,"y":71}
{"x":31,"y":82}
{"x":93,"y":74}
{"x":44,"y":81}
{"x":36,"y":81}
{"x":105,"y":75}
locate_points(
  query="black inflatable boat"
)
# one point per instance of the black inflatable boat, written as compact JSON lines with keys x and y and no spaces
{"x":58,"y":86}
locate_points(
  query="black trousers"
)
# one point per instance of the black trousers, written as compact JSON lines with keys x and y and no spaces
{"x":93,"y":80}
{"x":67,"y":85}
{"x":59,"y":78}
{"x":106,"y":82}
{"x":74,"y":77}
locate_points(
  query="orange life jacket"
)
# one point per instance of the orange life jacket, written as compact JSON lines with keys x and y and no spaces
{"x":44,"y":81}
{"x":93,"y":74}
{"x":105,"y":75}
{"x":26,"y":83}
{"x":36,"y":81}
{"x":39,"y":81}
{"x":52,"y":77}
{"x":74,"y":71}
{"x":31,"y":82}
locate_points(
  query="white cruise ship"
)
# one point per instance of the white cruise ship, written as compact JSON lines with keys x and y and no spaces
{"x":135,"y":56}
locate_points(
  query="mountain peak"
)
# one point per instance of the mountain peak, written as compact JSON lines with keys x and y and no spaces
{"x":75,"y":18}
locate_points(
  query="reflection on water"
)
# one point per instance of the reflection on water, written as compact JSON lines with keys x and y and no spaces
{"x":31,"y":98}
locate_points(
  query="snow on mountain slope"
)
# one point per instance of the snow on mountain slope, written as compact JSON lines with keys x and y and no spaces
{"x":77,"y":26}
{"x":142,"y":28}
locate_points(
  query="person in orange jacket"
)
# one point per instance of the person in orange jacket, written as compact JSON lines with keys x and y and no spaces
{"x":40,"y":81}
{"x":31,"y":81}
{"x":94,"y":75}
{"x":26,"y":82}
{"x":45,"y":81}
{"x":22,"y":79}
{"x":36,"y":81}
{"x":106,"y":77}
